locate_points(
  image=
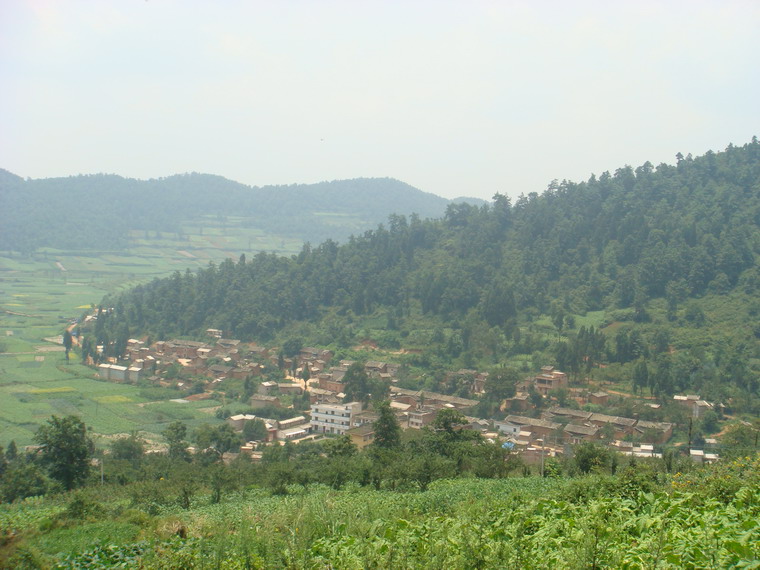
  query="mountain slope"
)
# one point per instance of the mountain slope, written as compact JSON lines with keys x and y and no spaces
{"x":666,"y":239}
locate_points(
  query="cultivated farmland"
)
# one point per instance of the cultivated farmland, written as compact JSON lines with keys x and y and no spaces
{"x":39,"y":297}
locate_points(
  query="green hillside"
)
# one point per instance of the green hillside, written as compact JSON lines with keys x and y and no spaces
{"x":654,"y":264}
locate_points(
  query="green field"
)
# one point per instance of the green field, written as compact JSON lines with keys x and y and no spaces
{"x":40,"y":295}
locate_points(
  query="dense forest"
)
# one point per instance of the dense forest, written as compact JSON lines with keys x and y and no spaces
{"x":667,"y":252}
{"x":98,"y":211}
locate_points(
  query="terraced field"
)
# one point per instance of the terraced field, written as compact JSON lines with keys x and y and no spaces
{"x":39,"y":296}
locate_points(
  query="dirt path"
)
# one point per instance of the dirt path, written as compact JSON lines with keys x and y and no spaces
{"x":21,"y":314}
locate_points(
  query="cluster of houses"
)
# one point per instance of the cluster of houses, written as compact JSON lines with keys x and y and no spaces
{"x":696,"y":405}
{"x":558,"y":427}
{"x":223,"y":358}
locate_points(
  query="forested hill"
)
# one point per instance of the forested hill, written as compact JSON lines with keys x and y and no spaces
{"x":630,"y":242}
{"x":97,"y":211}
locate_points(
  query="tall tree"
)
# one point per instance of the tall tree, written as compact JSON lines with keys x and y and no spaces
{"x":254,"y":430}
{"x":175,"y":434}
{"x":387,"y":428}
{"x":68,"y":341}
{"x":66,"y":450}
{"x":130,"y":448}
{"x":356,"y":385}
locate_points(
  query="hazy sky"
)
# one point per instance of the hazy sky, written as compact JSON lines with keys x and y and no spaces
{"x":456,"y":98}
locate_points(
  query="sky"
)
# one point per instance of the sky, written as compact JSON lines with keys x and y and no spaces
{"x":457,"y":98}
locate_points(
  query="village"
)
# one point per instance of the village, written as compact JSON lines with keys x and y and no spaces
{"x":533,"y":432}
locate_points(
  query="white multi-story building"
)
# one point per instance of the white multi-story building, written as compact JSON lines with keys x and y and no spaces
{"x":333,"y":418}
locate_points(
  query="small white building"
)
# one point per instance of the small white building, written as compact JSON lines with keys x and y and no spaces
{"x":133,"y":374}
{"x":238,"y":421}
{"x":118,"y":373}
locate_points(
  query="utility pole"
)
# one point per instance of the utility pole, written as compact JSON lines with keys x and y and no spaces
{"x":542,"y":457}
{"x":691,"y":419}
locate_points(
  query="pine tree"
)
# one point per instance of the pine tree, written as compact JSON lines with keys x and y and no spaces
{"x":387,"y":428}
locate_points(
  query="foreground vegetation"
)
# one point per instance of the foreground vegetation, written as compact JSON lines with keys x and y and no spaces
{"x":642,"y":517}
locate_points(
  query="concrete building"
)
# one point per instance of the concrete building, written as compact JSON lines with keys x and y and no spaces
{"x":333,"y":418}
{"x":549,"y":379}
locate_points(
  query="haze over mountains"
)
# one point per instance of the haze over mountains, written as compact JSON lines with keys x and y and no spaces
{"x":98,"y":211}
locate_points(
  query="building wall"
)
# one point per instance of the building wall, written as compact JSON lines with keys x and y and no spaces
{"x":333,"y":418}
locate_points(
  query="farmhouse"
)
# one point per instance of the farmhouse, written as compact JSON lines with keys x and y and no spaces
{"x":514,"y":425}
{"x":362,"y":436}
{"x":549,"y":379}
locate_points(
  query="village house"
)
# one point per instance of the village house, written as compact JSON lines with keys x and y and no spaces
{"x":292,"y":422}
{"x":401,"y":409}
{"x":238,"y":421}
{"x":113,"y":372}
{"x":133,"y":374}
{"x":694,"y":403}
{"x":289,"y":388}
{"x":549,"y":379}
{"x":631,"y":449}
{"x":520,"y":402}
{"x":362,"y":436}
{"x":513,"y":425}
{"x":364,"y":417}
{"x":575,"y":434}
{"x":292,"y":428}
{"x":227,"y":344}
{"x":420,"y":417}
{"x":599,"y":398}
{"x":660,"y":432}
{"x":308,"y":353}
{"x":423,"y":397}
{"x":375,"y":368}
{"x":321,"y":396}
{"x":559,"y":414}
{"x":293,"y":433}
{"x":258,"y":351}
{"x":330,"y":383}
{"x":477,"y":379}
{"x":217,"y":371}
{"x":623,"y":427}
{"x":333,"y":418}
{"x":182,"y":348}
{"x":338,"y":372}
{"x":261,"y":401}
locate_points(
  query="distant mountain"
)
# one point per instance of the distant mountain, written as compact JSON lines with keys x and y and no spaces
{"x":469,"y":200}
{"x":97,"y":211}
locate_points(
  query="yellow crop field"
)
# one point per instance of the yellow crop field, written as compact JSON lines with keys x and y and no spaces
{"x":113,"y":399}
{"x":54,"y":390}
